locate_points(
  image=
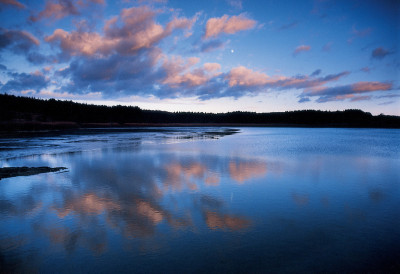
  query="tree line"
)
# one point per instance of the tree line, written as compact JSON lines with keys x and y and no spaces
{"x":17,"y":109}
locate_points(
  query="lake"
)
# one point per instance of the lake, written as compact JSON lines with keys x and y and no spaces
{"x":210,"y":200}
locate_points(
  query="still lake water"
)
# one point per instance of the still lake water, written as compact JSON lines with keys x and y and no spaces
{"x":180,"y":200}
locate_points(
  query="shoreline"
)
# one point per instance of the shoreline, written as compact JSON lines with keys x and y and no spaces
{"x":13,"y":127}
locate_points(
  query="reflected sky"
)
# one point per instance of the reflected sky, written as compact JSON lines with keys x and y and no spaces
{"x":251,"y":201}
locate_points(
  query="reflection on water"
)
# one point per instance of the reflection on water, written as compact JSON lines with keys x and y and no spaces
{"x":208,"y":205}
{"x":245,"y":170}
{"x":216,"y":220}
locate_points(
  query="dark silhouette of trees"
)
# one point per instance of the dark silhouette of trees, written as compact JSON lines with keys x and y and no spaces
{"x":20,"y":111}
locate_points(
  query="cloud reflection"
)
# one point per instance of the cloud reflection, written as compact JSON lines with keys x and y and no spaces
{"x":242,"y":171}
{"x":216,"y":220}
{"x":136,"y":195}
{"x":87,"y":204}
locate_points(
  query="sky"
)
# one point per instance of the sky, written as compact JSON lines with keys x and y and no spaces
{"x":205,"y":56}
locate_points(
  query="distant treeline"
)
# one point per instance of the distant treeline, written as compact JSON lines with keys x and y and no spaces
{"x":31,"y":113}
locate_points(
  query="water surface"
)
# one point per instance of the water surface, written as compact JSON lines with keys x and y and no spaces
{"x":203,"y":200}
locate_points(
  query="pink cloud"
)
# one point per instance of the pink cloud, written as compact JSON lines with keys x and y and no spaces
{"x":212,"y":66}
{"x":243,"y":80}
{"x":81,"y":43}
{"x":242,"y":76}
{"x":56,"y":10}
{"x":59,"y":9}
{"x":179,"y":72}
{"x":134,"y":29}
{"x":30,"y":37}
{"x":13,"y":3}
{"x":301,"y":48}
{"x":344,"y":92}
{"x":370,"y":86}
{"x":230,"y":25}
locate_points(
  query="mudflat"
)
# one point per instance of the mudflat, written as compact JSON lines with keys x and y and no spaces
{"x":7,"y":172}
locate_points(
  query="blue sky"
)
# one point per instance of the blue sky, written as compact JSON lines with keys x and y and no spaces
{"x":211,"y":56}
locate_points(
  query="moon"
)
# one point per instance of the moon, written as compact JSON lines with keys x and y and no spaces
{"x":232,"y":51}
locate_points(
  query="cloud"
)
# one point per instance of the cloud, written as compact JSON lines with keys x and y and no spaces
{"x":389,"y":96}
{"x":370,"y":86}
{"x":316,"y":73}
{"x":24,"y":81}
{"x":229,"y":25}
{"x":304,"y":99}
{"x":114,"y":76}
{"x":134,"y":29}
{"x":14,"y":3}
{"x":124,"y":59}
{"x":37,"y":58}
{"x":56,"y":10}
{"x":380,"y":53}
{"x":340,"y":93}
{"x":387,"y":103}
{"x":301,"y":48}
{"x":151,"y":73}
{"x":179,"y":74}
{"x":18,"y":41}
{"x":3,"y":67}
{"x":23,"y":43}
{"x":360,"y":98}
{"x":212,"y":66}
{"x":241,"y":81}
{"x":81,"y":43}
{"x":242,"y":76}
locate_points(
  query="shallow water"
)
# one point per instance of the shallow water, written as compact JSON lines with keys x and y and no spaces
{"x":194,"y":200}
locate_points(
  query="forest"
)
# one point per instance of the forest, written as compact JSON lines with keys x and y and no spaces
{"x":25,"y":113}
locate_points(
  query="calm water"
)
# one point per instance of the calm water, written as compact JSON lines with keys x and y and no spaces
{"x":192,"y":200}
